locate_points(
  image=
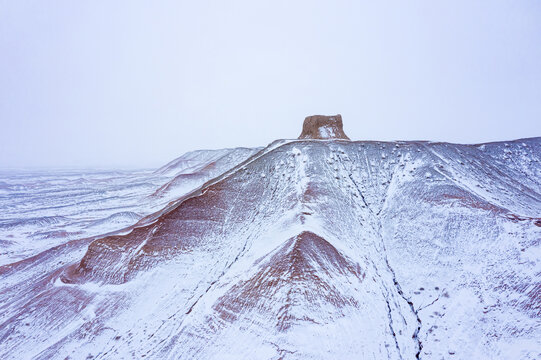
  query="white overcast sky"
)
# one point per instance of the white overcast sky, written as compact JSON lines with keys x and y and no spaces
{"x":108,"y":83}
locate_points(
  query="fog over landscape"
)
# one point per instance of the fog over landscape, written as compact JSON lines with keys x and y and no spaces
{"x":135,"y":84}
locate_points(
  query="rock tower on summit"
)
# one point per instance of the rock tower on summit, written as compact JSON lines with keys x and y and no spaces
{"x":323,"y":127}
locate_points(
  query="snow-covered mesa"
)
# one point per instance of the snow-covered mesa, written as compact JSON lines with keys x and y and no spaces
{"x":305,"y":249}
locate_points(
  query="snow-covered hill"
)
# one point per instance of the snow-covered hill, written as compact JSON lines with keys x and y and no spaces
{"x":306,"y":249}
{"x":42,"y":209}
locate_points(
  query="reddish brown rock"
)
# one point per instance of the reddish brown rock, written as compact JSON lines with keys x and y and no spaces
{"x":323,"y":127}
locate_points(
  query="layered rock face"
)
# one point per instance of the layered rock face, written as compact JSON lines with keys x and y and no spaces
{"x":323,"y":127}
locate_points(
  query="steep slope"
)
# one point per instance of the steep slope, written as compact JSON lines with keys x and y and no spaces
{"x":308,"y":249}
{"x":195,"y":161}
{"x":43,"y":209}
{"x":195,"y":168}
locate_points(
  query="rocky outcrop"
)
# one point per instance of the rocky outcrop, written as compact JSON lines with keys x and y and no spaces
{"x":323,"y":127}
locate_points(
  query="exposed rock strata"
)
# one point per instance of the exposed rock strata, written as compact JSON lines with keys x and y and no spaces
{"x":323,"y":128}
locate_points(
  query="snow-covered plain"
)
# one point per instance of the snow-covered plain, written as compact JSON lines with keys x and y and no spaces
{"x":306,"y":249}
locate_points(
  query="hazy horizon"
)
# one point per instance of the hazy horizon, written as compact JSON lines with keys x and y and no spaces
{"x":132,"y":84}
